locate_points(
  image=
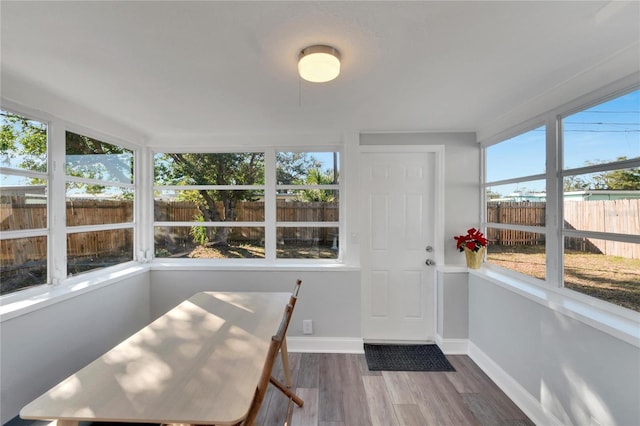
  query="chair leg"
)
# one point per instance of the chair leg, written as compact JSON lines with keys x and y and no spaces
{"x":285,"y":390}
{"x":287,"y":420}
{"x":285,"y":362}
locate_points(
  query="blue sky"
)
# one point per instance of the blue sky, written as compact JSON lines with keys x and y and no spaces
{"x":326,"y":158}
{"x":600,"y":133}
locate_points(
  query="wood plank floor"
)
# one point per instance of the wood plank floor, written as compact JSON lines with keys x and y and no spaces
{"x":339,"y":390}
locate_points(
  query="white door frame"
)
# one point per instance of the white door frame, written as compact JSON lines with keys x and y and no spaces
{"x":438,"y":207}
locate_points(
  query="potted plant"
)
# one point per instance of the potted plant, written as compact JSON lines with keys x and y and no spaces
{"x":473,"y":245}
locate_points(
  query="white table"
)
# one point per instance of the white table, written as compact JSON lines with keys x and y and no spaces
{"x":199,"y":363}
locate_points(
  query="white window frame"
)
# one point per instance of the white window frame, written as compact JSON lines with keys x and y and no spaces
{"x":56,"y":230}
{"x":519,"y":179}
{"x":554,"y":176}
{"x":336,"y":187}
{"x":270,"y":188}
{"x":103,"y":227}
{"x":35,"y":232}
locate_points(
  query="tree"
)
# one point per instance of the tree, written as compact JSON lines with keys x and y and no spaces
{"x":213,"y":169}
{"x":23,"y":144}
{"x":292,"y":165}
{"x":620,"y":179}
{"x":492,"y":195}
{"x":225,"y":169}
{"x":93,"y":159}
{"x":574,"y":183}
{"x":317,"y":177}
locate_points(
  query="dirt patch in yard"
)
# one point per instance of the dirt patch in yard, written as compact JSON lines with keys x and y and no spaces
{"x":241,"y":251}
{"x":610,"y":278}
{"x":248,"y":251}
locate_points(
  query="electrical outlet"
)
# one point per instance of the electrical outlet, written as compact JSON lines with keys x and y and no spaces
{"x":307,"y":327}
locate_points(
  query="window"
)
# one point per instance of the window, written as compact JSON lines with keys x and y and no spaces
{"x":99,"y":200}
{"x":601,"y":201}
{"x":209,"y":205}
{"x":96,"y":204}
{"x":246,"y":205}
{"x":307,"y":202}
{"x":515,"y":193}
{"x":591,"y":233}
{"x":23,"y":203}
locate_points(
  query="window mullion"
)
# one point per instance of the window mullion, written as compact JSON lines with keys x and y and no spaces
{"x":23,"y":173}
{"x":57,"y":205}
{"x":93,"y":228}
{"x":143,"y":205}
{"x":270,"y":205}
{"x":554,"y":241}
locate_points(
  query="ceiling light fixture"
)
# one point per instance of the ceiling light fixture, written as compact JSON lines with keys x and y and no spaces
{"x":319,"y":63}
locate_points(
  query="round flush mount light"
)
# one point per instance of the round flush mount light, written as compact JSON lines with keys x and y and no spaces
{"x":319,"y":63}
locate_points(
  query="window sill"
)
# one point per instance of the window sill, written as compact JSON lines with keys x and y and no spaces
{"x":452,"y":269}
{"x":23,"y":302}
{"x":244,"y":265}
{"x":621,"y":323}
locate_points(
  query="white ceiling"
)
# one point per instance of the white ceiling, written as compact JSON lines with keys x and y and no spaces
{"x":197,"y":68}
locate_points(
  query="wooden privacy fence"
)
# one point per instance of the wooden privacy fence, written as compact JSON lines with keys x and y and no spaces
{"x":616,"y":216}
{"x":619,"y":216}
{"x":515,"y":213}
{"x":16,"y":214}
{"x":253,"y":211}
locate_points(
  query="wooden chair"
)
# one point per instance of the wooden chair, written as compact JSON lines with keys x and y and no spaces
{"x":284,"y":351}
{"x":266,"y":377}
{"x":294,"y":293}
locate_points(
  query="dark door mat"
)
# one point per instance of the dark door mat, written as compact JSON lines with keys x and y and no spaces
{"x":406,"y":358}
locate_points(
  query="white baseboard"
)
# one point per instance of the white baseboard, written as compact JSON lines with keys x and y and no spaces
{"x":519,"y":395}
{"x":348,"y":345}
{"x":453,"y":346}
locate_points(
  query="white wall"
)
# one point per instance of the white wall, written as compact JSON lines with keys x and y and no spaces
{"x":42,"y":104}
{"x":453,"y":305}
{"x":576,"y":373}
{"x":42,"y":347}
{"x":330,"y":298}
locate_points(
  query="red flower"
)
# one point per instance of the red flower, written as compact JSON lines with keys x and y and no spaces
{"x":474,"y":240}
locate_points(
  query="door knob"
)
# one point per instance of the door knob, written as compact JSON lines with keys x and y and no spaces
{"x":430,"y":262}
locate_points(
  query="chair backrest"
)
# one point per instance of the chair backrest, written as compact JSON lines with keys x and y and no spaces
{"x":294,"y":294}
{"x":274,"y":348}
{"x":284,"y":324}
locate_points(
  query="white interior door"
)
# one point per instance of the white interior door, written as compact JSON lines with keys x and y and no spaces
{"x":397,"y":226}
